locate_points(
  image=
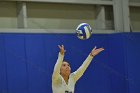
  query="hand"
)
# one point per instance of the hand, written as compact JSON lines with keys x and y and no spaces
{"x":62,"y":50}
{"x":95,"y":51}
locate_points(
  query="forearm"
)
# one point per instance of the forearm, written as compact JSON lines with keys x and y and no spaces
{"x":79,"y":72}
{"x":57,"y":66}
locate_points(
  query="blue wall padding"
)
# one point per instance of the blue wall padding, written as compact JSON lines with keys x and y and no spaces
{"x":3,"y":67}
{"x":16,"y":63}
{"x":132,"y":54}
{"x":27,"y":61}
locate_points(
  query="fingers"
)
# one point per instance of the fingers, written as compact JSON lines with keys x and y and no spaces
{"x":94,"y":48}
{"x":62,"y":50}
{"x":61,"y":47}
{"x":95,"y":51}
{"x":101,"y":49}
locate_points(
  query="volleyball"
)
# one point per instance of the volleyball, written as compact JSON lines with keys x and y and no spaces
{"x":84,"y":31}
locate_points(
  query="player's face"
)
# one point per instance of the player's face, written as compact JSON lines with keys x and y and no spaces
{"x":65,"y":69}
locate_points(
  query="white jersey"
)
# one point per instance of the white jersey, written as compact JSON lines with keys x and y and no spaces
{"x":58,"y":83}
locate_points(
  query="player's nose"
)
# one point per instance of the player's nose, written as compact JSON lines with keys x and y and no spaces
{"x":67,"y":68}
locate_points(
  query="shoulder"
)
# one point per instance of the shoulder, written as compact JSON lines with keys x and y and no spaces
{"x":72,"y":76}
{"x":56,"y":81}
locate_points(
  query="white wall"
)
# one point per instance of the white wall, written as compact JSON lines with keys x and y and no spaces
{"x":62,"y":16}
{"x":135,"y":18}
{"x":135,"y":1}
{"x":62,"y":1}
{"x":8,"y":15}
{"x":59,"y":16}
{"x":109,"y":17}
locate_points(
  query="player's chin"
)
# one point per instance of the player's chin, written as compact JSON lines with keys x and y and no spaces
{"x":68,"y":72}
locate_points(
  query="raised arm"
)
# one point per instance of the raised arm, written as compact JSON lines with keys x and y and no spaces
{"x":79,"y":72}
{"x":58,"y":64}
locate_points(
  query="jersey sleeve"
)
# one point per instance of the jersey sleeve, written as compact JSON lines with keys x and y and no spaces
{"x":79,"y":72}
{"x":56,"y":72}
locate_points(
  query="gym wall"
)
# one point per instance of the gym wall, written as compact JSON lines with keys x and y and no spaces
{"x":27,"y":61}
